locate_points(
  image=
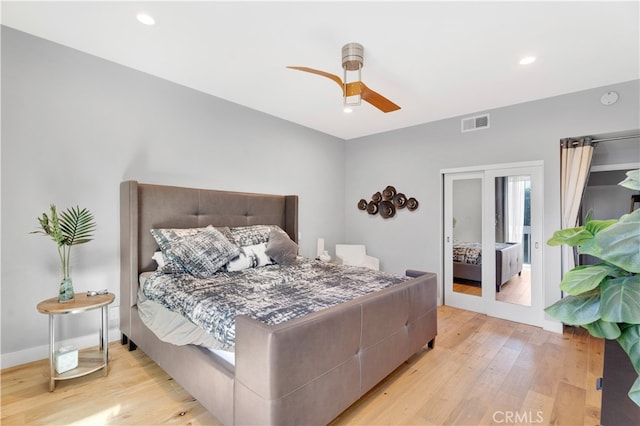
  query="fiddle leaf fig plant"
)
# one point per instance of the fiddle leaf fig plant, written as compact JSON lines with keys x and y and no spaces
{"x":605,"y":298}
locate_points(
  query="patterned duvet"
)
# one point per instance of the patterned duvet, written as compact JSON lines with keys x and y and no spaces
{"x":271,"y":294}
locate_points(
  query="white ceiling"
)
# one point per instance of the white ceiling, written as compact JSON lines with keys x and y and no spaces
{"x":435,"y":59}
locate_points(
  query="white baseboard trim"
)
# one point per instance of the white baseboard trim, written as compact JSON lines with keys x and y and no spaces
{"x":553,"y":326}
{"x":42,"y":352}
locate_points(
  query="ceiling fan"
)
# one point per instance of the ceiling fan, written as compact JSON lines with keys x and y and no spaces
{"x":353,"y":89}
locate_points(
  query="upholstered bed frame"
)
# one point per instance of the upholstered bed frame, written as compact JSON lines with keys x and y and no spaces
{"x":304,"y":371}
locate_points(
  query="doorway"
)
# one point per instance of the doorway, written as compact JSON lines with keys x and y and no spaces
{"x":492,"y":216}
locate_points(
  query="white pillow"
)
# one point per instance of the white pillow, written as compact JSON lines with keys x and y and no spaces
{"x":250,"y":257}
{"x":159,"y":258}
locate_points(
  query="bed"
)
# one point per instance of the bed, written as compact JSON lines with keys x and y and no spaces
{"x":297,"y":372}
{"x":467,"y":261}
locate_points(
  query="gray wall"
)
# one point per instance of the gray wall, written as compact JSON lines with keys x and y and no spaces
{"x":74,"y":126}
{"x":411,"y":160}
{"x":614,"y":152}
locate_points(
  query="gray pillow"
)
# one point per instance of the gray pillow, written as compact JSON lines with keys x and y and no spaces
{"x":201,"y":254}
{"x":281,"y":248}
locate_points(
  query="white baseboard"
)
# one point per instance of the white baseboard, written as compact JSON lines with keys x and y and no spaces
{"x":553,"y":326}
{"x":42,"y":352}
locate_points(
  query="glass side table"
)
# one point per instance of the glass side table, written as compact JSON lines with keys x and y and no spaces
{"x":88,"y":360}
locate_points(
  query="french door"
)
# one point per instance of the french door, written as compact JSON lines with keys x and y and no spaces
{"x":492,"y":241}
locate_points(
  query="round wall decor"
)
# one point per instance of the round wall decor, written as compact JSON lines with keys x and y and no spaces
{"x":387,"y":202}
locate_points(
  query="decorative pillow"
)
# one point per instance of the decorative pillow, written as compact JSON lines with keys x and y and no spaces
{"x":159,"y":258}
{"x":167,"y":267}
{"x":164,"y":236}
{"x":173,"y":268}
{"x":281,"y":248}
{"x":201,"y":253}
{"x":251,"y":235}
{"x":224,"y":230}
{"x":250,"y":257}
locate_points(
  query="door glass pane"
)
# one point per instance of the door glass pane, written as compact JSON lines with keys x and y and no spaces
{"x":467,"y":236}
{"x":513,"y":239}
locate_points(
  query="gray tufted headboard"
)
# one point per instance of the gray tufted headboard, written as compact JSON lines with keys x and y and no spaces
{"x":147,"y":206}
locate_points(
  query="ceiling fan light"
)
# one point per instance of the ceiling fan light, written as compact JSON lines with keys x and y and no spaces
{"x":351,"y":88}
{"x":350,"y":101}
{"x":352,"y":92}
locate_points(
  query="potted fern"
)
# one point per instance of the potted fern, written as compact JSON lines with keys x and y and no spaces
{"x":605,"y":298}
{"x":72,"y":227}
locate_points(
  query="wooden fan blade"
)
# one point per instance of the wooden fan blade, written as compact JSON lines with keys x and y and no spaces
{"x":355,"y":88}
{"x":377,"y":100}
{"x":322,"y":73}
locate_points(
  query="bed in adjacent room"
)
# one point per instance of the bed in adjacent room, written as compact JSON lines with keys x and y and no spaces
{"x":467,"y":261}
{"x":255,"y":333}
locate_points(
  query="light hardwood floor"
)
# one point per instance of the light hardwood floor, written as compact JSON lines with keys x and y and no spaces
{"x":516,"y":290}
{"x":482,"y":371}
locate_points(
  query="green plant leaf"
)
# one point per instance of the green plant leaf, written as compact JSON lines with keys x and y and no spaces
{"x":618,"y":244}
{"x":588,"y":216}
{"x":51,"y":226}
{"x":630,"y":342}
{"x":570,"y":236}
{"x":634,"y":392}
{"x":632,"y":181}
{"x":620,"y":300}
{"x":617,"y":272}
{"x":77,"y":225}
{"x":577,"y":310}
{"x":580,"y":280}
{"x":603,"y":329}
{"x":595,"y":226}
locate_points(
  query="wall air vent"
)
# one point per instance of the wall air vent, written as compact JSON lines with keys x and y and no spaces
{"x":475,"y":123}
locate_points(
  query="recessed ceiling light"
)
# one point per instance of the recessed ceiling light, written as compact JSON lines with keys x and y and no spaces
{"x":527,"y":60}
{"x":348,"y":110}
{"x":145,"y":19}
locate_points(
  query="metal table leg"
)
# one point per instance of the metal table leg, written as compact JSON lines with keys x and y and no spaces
{"x":52,"y":382}
{"x":104,"y":337}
